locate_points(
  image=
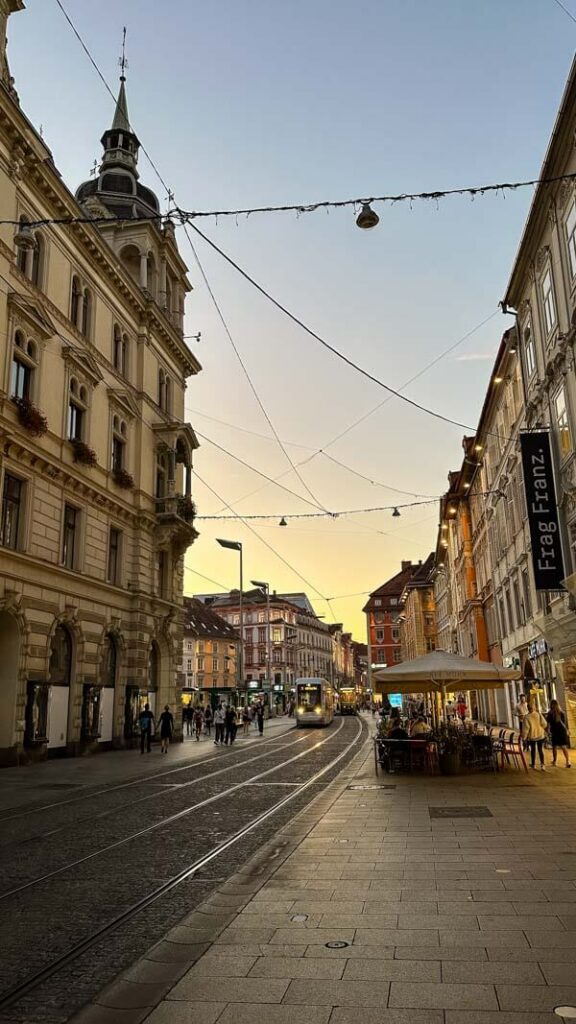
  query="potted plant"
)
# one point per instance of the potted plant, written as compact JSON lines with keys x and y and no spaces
{"x":186,"y":508}
{"x":83,"y":453}
{"x":123,"y":478}
{"x":449,"y":742}
{"x":30,"y":417}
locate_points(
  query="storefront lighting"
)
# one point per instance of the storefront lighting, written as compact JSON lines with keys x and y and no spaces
{"x":498,"y":380}
{"x":478,"y":447}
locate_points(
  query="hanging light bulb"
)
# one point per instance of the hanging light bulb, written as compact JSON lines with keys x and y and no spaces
{"x":282,"y":522}
{"x":396,"y":513}
{"x":367,"y":218}
{"x":24,"y":237}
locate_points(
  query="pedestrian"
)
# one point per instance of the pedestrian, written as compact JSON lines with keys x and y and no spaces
{"x":245,"y":720}
{"x":461,"y":708}
{"x":187,"y":716}
{"x":208,"y":719}
{"x":520,"y":711}
{"x":146,"y":722}
{"x":198,"y":722}
{"x":166,"y":723}
{"x":255,"y":714}
{"x":260,"y":718}
{"x":229,"y":724}
{"x":219,"y":724}
{"x":535,"y":726}
{"x":558,"y":732}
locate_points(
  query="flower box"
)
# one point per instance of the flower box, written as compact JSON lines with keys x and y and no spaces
{"x":30,"y":417}
{"x":83,"y":453}
{"x":186,"y":509}
{"x":123,"y":479}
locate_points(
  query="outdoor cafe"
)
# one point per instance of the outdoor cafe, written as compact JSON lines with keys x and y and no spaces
{"x":446,"y":744}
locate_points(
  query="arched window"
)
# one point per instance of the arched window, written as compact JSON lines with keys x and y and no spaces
{"x":168,"y":398}
{"x":118,"y":444}
{"x":75,"y":301}
{"x":153,"y":667}
{"x":161,"y":475}
{"x":37,"y":269}
{"x":77,"y":404}
{"x":86,"y":313}
{"x":168,"y":295}
{"x":61,"y":657}
{"x":151,"y":276}
{"x":109,"y":662}
{"x":24,"y":363}
{"x":161,"y":389}
{"x":21,"y":252}
{"x":119,"y":350}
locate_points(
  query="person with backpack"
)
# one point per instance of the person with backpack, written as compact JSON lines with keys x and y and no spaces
{"x":208,"y":718}
{"x":558,"y":733}
{"x":534,"y":734}
{"x":146,"y":723}
{"x":166,"y":722}
{"x":230,"y":725}
{"x":219,"y":725}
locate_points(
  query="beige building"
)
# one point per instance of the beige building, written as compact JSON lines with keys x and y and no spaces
{"x":95,"y":464}
{"x":210,"y":655}
{"x":418,"y":612}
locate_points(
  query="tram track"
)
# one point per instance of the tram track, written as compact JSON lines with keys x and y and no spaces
{"x":170,"y":819}
{"x":106,"y":790}
{"x":36,"y":837}
{"x":155,"y":896}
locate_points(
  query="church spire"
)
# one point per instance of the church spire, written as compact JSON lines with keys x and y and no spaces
{"x":121,"y":120}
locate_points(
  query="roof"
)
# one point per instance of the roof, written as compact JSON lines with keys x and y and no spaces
{"x":121,"y":120}
{"x":201,"y":621}
{"x":422,"y":576}
{"x":393,"y":587}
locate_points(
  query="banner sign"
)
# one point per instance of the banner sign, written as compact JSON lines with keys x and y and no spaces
{"x":547,"y":560}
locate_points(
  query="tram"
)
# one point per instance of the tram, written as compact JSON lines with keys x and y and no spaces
{"x":348,"y":700}
{"x":314,"y":702}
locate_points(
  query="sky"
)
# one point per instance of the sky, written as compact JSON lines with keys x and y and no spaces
{"x":245,"y":103}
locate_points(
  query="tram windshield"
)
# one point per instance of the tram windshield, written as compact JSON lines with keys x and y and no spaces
{"x":309,"y":696}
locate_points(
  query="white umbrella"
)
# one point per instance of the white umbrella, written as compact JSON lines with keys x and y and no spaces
{"x":440,"y":671}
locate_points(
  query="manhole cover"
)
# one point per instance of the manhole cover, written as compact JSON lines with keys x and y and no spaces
{"x":459,"y":812}
{"x":373,"y":786}
{"x":568,"y":1012}
{"x":336,"y":945}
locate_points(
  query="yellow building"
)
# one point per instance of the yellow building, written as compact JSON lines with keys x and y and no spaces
{"x":418,"y":618}
{"x":95,"y":463}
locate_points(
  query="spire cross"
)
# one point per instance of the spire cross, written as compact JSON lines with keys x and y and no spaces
{"x":122,"y":60}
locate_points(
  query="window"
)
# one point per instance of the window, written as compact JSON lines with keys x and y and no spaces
{"x":189,"y":665}
{"x":76,"y":411}
{"x":397,"y":655}
{"x":393,"y":601}
{"x":86,"y":323}
{"x":114,"y":552}
{"x":430,"y":644}
{"x":162,"y":389}
{"x":30,"y":261}
{"x":12,"y":504}
{"x":564,"y":438}
{"x":119,"y":350}
{"x":37,"y":266}
{"x":395,"y":634}
{"x":200,"y":664}
{"x":526,"y":595}
{"x":548,"y":302}
{"x":509,"y":609}
{"x":261,"y":617}
{"x":118,"y":444}
{"x":571,"y":238}
{"x":377,"y":602}
{"x":75,"y":301}
{"x":24,"y":360}
{"x":215,"y":665}
{"x":277,"y":635}
{"x":70,"y":536}
{"x":503,"y":626}
{"x":380,"y":635}
{"x":168,"y":395}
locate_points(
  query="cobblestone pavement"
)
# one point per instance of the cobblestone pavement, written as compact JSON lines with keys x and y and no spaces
{"x":405,"y":900}
{"x":93,"y":852}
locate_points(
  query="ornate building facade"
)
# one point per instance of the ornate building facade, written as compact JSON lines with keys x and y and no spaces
{"x":95,"y":456}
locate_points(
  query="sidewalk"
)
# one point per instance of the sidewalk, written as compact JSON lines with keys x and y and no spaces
{"x":385,"y":908}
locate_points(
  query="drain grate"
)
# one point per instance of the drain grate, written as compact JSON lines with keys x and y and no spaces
{"x":459,"y":812}
{"x":336,"y":945}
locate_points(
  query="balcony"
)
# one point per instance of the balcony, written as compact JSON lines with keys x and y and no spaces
{"x":175,"y":516}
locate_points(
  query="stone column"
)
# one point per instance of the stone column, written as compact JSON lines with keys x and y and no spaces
{"x":143,"y":270}
{"x":188,"y":480}
{"x":162,"y":294}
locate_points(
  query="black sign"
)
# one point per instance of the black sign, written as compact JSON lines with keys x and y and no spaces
{"x":547,"y":560}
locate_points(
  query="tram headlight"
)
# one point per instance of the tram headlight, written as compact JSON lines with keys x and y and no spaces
{"x":300,"y":711}
{"x":318,"y":711}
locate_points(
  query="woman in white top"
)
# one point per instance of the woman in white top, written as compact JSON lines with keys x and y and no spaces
{"x":534,"y":733}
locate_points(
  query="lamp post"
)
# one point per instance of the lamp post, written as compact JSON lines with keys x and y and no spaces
{"x":236,"y":545}
{"x":266,"y":588}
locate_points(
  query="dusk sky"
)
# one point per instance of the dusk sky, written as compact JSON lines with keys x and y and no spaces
{"x":245,"y":103}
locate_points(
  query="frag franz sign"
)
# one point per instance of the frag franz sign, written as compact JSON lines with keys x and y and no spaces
{"x":547,"y":560}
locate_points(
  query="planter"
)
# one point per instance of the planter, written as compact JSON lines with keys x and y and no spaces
{"x":83,"y":453}
{"x":186,"y":509}
{"x":123,"y":479}
{"x":30,"y":417}
{"x":450,"y":763}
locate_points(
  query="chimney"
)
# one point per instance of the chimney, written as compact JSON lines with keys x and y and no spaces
{"x":406,"y":565}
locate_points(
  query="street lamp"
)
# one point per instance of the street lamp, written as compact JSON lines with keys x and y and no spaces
{"x":236,"y":545}
{"x":266,"y":588}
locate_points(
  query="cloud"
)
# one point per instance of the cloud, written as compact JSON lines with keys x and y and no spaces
{"x":475,"y":357}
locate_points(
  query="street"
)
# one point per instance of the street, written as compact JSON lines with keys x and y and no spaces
{"x":135,"y":838}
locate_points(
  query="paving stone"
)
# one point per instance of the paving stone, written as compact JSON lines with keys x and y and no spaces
{"x":392,"y":970}
{"x":351,"y":952}
{"x":487,"y":1017}
{"x":323,"y":968}
{"x":186,"y":1013}
{"x":250,"y":1013}
{"x":286,"y":936}
{"x":535,"y":997}
{"x":468,"y":996}
{"x":397,"y":937}
{"x":227,"y":966}
{"x":338,"y":993}
{"x":94,"y":1014}
{"x":346,"y":1015}
{"x":491,"y":973}
{"x":450,"y":953}
{"x":240,"y":990}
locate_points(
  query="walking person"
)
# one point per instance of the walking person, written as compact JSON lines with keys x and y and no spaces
{"x":219,"y":725}
{"x":187,"y":716}
{"x":198,"y":723}
{"x":535,"y":726}
{"x":260,"y":718}
{"x":229,"y":725}
{"x":245,"y":720}
{"x":166,"y":723}
{"x":146,"y":722}
{"x":208,"y":719}
{"x":520,"y":711}
{"x":558,"y":732}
